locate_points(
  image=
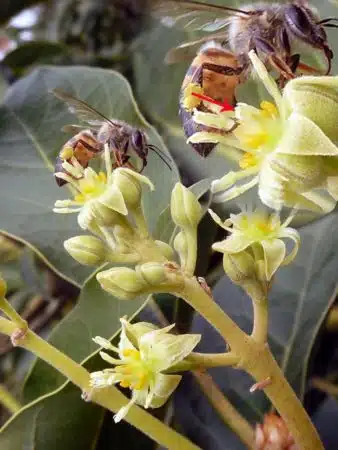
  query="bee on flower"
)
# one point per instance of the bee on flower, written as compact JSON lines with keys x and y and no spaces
{"x":102,"y":196}
{"x":286,"y":147}
{"x":144,"y":354}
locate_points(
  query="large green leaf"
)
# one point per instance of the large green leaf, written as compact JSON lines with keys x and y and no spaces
{"x":301,"y":296}
{"x":30,"y":137}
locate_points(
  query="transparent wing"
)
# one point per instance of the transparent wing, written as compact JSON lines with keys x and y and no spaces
{"x":81,"y":109}
{"x":187,"y":50}
{"x":194,"y":15}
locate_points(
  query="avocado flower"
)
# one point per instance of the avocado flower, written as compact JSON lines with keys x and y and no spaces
{"x":286,"y":147}
{"x":143,"y":356}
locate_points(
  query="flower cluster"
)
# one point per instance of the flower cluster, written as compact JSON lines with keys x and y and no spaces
{"x":144,"y":355}
{"x":287,"y":148}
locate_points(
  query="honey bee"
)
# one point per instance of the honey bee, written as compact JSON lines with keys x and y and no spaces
{"x":123,"y":139}
{"x":269,"y":29}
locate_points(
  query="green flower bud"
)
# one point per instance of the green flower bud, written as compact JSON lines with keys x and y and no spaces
{"x":3,"y":287}
{"x":129,"y":184}
{"x":87,"y":250}
{"x":104,"y":216}
{"x":241,"y":269}
{"x":153,"y":273}
{"x":181,"y":246}
{"x":122,"y":282}
{"x":186,"y":211}
{"x":166,"y":250}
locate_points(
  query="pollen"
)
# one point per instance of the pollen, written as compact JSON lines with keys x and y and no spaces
{"x":264,"y":226}
{"x":269,"y":109}
{"x":66,"y":153}
{"x":141,"y":383}
{"x":131,"y":353}
{"x":189,"y":100}
{"x":124,"y":383}
{"x":102,"y":177}
{"x":256,"y":140}
{"x":79,"y":198}
{"x":247,"y":160}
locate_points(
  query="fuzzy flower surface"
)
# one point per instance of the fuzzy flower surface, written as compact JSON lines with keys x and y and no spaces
{"x":97,"y":195}
{"x":261,"y":236}
{"x":286,"y":147}
{"x":143,"y":354}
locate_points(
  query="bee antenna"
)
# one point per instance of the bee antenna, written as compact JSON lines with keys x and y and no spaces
{"x":160,"y":154}
{"x":329,"y":19}
{"x":330,"y":25}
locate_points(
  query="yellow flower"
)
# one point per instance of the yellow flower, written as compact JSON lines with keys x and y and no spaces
{"x":287,"y":148}
{"x":261,"y":236}
{"x":100,"y":197}
{"x":144,"y":353}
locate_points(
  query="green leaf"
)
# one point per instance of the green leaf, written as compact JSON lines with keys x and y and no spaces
{"x":96,"y":313}
{"x":30,"y":139}
{"x":35,"y":52}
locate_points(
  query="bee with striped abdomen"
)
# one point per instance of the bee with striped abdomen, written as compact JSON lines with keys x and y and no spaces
{"x":272,"y":30}
{"x":123,"y":139}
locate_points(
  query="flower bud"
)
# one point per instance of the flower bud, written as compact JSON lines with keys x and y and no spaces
{"x":166,"y":250}
{"x":181,"y":246}
{"x":122,"y":282}
{"x":153,"y":273}
{"x":186,"y":212}
{"x":3,"y":287}
{"x":273,"y":433}
{"x":129,"y":184}
{"x":87,"y":250}
{"x":241,"y":269}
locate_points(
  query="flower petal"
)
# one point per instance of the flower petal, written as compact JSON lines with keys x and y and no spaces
{"x":166,"y":350}
{"x":113,"y":199}
{"x":274,"y":254}
{"x":292,"y":234}
{"x":304,"y":137}
{"x":164,"y":386}
{"x":233,"y":244}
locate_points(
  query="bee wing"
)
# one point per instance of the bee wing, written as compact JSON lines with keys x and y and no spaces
{"x":81,"y":109}
{"x":194,"y":15}
{"x":187,"y":50}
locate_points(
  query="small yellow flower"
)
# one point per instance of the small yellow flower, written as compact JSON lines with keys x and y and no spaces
{"x":100,"y":196}
{"x":144,"y":353}
{"x":287,"y":147}
{"x":261,"y":235}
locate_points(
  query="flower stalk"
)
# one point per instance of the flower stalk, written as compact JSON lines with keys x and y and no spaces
{"x":110,"y":398}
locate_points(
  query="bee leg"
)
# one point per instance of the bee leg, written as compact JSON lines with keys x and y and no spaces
{"x":263,"y":46}
{"x":308,"y":69}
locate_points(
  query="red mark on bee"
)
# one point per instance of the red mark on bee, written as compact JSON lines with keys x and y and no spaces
{"x":225,"y":105}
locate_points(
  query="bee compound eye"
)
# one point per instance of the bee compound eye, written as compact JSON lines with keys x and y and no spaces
{"x":137,"y":139}
{"x":297,"y":18}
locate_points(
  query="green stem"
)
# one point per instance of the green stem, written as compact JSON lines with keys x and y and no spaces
{"x":256,"y":359}
{"x":261,"y":318}
{"x":230,"y":416}
{"x":8,"y":401}
{"x":10,"y":312}
{"x":199,"y":361}
{"x":110,"y":398}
